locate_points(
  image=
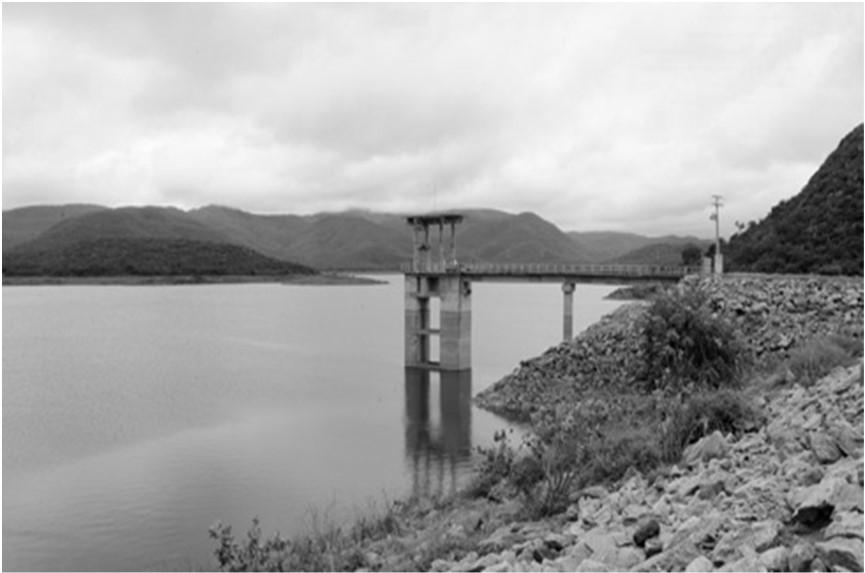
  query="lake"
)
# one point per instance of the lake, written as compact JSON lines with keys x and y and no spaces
{"x":135,"y":417}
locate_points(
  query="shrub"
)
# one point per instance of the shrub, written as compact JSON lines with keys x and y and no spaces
{"x":594,"y":441}
{"x":251,"y":556}
{"x":326,"y":548}
{"x":599,"y":439}
{"x":547,"y":479}
{"x":609,"y":459}
{"x":815,"y":358}
{"x":496,"y":464}
{"x":688,"y":420}
{"x":684,"y":346}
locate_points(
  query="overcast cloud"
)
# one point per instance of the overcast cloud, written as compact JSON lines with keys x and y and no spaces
{"x":595,"y":116}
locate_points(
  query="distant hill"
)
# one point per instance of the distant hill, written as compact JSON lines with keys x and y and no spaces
{"x":271,"y":235}
{"x":352,"y":240}
{"x":123,"y":223}
{"x":516,"y":238}
{"x":143,"y":257}
{"x":631,"y":248}
{"x":817,"y":231}
{"x":359,"y":239}
{"x":27,"y":223}
{"x":663,"y":254}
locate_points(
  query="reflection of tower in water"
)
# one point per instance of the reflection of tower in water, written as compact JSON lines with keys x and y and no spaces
{"x":435,"y":447}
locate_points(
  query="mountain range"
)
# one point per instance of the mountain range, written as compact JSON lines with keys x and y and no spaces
{"x":820,"y":230}
{"x":350,"y":240}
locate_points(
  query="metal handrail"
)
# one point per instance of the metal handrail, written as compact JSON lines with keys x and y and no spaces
{"x":516,"y":269}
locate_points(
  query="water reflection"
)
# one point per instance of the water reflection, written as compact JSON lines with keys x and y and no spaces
{"x":437,"y":440}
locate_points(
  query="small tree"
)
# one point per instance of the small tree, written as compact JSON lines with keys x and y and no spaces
{"x":684,"y":346}
{"x":691,"y":255}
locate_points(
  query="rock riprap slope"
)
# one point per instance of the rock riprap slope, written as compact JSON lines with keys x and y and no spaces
{"x":787,"y":497}
{"x":774,"y":312}
{"x":771,"y":313}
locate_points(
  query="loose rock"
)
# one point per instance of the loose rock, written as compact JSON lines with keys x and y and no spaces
{"x":700,"y":565}
{"x":824,"y":447}
{"x":843,"y":552}
{"x":649,"y":528}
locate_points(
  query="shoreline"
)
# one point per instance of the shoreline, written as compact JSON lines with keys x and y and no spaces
{"x":738,"y":495}
{"x":323,"y":279}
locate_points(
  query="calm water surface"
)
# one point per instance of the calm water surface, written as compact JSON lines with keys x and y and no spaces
{"x":136,"y":417}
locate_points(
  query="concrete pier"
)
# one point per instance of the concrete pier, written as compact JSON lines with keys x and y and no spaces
{"x":455,"y":321}
{"x":434,"y":274}
{"x":568,"y":311}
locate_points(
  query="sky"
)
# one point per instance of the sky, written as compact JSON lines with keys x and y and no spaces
{"x":624,"y":117}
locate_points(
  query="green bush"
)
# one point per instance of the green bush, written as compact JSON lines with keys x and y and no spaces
{"x":689,"y":419}
{"x":271,"y":555}
{"x":549,"y":470}
{"x":815,"y":358}
{"x":608,"y":460}
{"x":496,"y":464}
{"x":686,"y":347}
{"x":572,"y":446}
{"x":597,"y":441}
{"x":326,"y":548}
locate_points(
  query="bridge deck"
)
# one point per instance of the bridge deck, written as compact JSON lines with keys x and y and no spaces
{"x":553,"y":272}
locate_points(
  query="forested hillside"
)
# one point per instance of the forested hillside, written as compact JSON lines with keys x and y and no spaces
{"x":109,"y":257}
{"x":817,"y":231}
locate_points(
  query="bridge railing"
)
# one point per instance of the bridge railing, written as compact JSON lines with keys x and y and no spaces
{"x":528,"y":269}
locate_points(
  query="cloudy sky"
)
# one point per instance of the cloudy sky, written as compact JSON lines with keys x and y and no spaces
{"x":595,"y":116}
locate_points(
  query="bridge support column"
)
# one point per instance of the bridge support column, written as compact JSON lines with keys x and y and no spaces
{"x":568,"y":311}
{"x":456,"y":322}
{"x":417,"y":347}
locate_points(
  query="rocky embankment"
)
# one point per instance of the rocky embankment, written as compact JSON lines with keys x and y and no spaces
{"x":771,"y":313}
{"x":785,"y":498}
{"x":774,"y":312}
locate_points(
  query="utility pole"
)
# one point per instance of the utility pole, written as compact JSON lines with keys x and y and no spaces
{"x":716,"y":203}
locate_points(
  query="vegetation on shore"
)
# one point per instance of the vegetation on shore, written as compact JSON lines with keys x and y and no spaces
{"x":145,"y":257}
{"x":695,"y":377}
{"x":320,"y":279}
{"x":688,"y":384}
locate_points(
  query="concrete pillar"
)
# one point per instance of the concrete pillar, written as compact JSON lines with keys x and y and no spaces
{"x":416,"y":319}
{"x":568,"y":311}
{"x":719,"y":263}
{"x":455,"y":323}
{"x":453,"y":245}
{"x":415,"y":248}
{"x":427,"y":248}
{"x":442,"y":256}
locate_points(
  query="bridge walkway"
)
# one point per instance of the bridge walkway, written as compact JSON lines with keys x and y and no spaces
{"x":553,"y":272}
